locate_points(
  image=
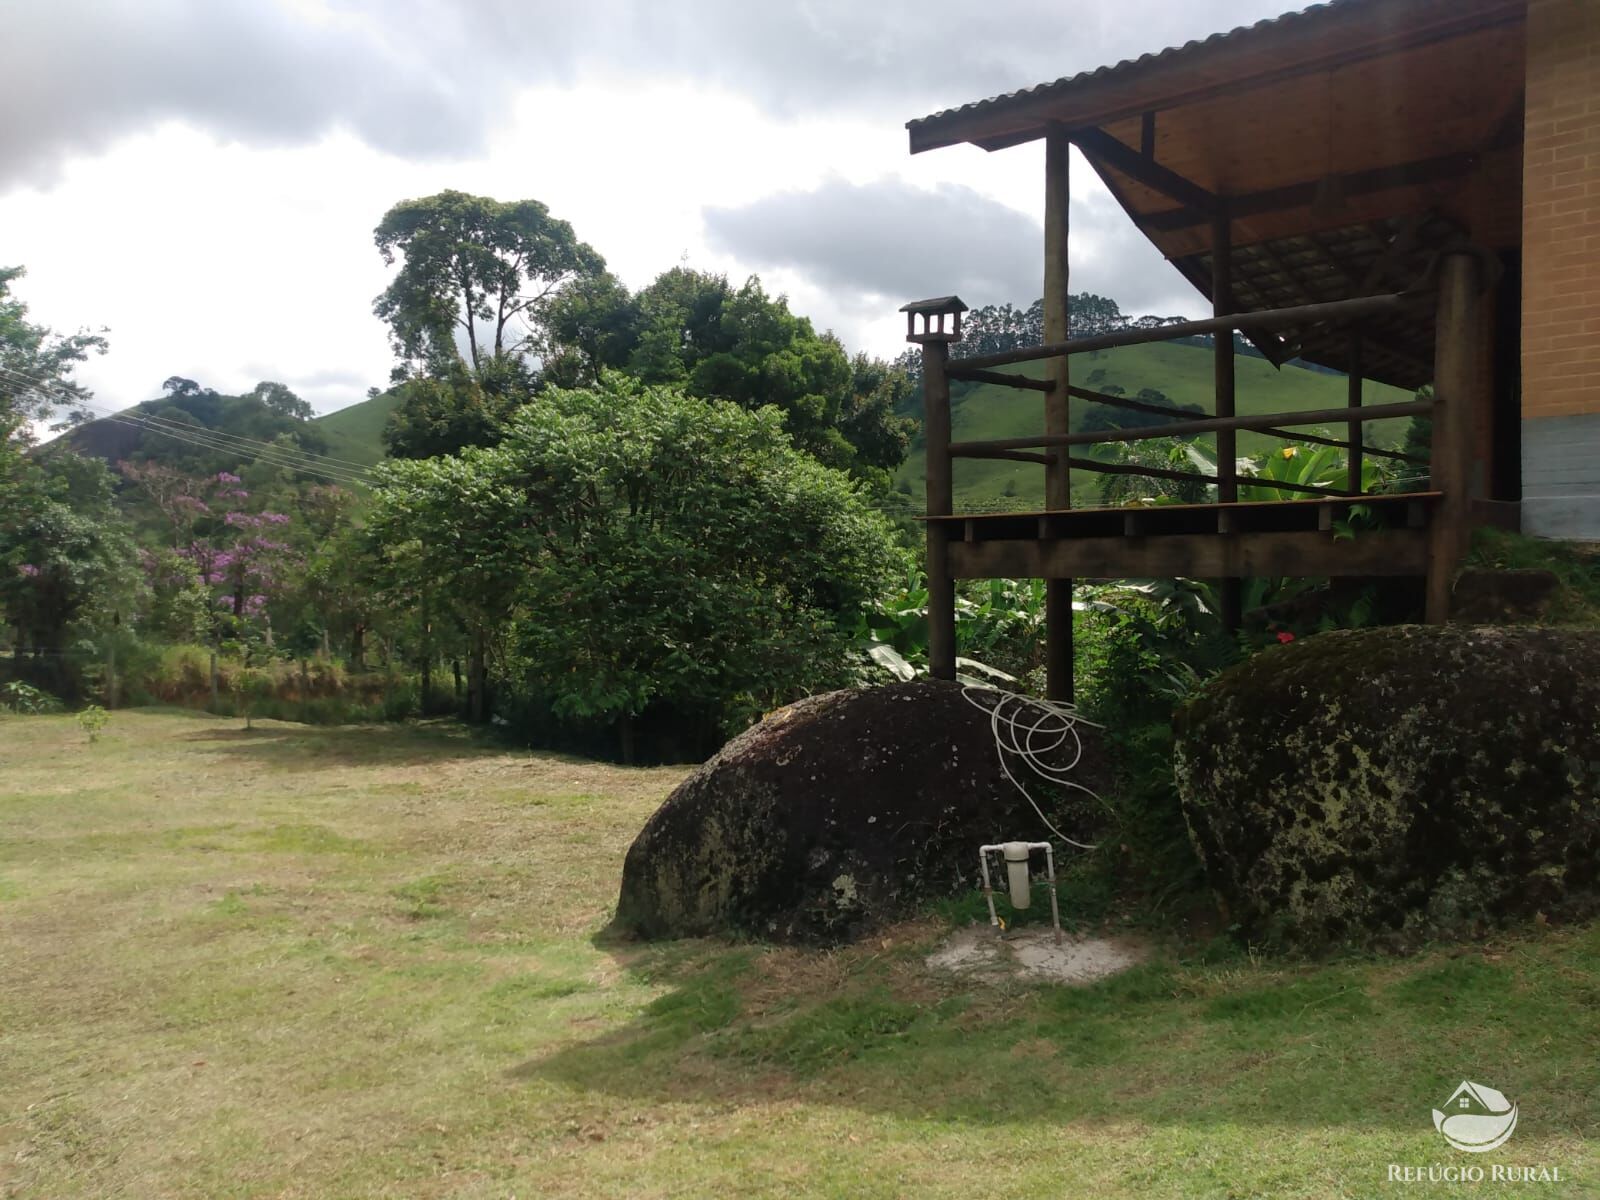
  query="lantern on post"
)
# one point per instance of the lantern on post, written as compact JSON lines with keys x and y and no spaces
{"x":933,"y":313}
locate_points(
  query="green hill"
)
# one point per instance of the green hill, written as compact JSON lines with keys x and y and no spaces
{"x":1183,"y":373}
{"x":356,"y":432}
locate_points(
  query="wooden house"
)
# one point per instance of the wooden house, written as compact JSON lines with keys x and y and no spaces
{"x":1407,"y":191}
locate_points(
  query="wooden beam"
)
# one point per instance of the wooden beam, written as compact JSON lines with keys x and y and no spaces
{"x":1222,"y":347}
{"x":1147,"y":134}
{"x":1010,"y":455}
{"x":1104,"y":468}
{"x":1457,"y":383}
{"x":1004,"y":380}
{"x":1245,"y":554}
{"x":1357,"y":440}
{"x":1058,"y":614}
{"x":1420,"y":173}
{"x":936,"y":438}
{"x":1320,"y":416}
{"x":1272,"y":318}
{"x":1170,"y":410}
{"x":1127,"y":160}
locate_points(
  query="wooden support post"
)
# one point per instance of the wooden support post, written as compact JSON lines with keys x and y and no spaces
{"x":1057,"y":414}
{"x":941,"y":503}
{"x":1357,"y":438}
{"x":1231,"y":589}
{"x":1457,"y":382}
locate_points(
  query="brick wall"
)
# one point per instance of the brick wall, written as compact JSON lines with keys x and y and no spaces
{"x":1561,"y":265}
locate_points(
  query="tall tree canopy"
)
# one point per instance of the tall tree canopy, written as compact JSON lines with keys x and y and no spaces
{"x":474,"y":268}
{"x":694,"y":330}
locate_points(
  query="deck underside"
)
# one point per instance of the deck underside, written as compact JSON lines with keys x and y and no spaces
{"x":1386,"y":535}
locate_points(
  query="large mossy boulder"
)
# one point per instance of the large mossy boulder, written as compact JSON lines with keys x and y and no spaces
{"x":1379,"y":786}
{"x":828,"y":818}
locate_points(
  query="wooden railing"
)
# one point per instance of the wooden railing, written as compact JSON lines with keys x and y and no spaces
{"x":939,"y":369}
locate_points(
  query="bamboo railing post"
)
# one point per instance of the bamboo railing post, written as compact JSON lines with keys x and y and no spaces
{"x":1057,"y":413}
{"x":1353,"y":429}
{"x":1456,"y":382}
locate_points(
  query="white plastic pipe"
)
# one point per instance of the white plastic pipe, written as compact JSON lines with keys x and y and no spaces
{"x":1019,"y":865}
{"x":1016,"y":856}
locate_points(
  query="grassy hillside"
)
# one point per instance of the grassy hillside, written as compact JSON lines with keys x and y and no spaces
{"x":356,"y":432}
{"x":1184,"y":373}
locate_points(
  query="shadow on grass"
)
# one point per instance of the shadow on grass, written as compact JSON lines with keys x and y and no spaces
{"x":1366,"y":1044}
{"x":287,"y":747}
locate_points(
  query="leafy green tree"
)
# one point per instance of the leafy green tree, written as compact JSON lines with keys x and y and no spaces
{"x":635,"y":549}
{"x":36,"y":365}
{"x":463,"y":408}
{"x":694,"y":330}
{"x":475,"y":268}
{"x":592,"y":324}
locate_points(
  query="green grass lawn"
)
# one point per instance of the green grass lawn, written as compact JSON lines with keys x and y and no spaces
{"x":363,"y":961}
{"x":1184,"y":373}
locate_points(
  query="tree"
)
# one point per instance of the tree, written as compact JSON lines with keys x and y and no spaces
{"x":635,"y":549}
{"x":476,"y":268}
{"x":446,"y":415}
{"x":693,"y":329}
{"x":280,"y":401}
{"x":36,"y":366}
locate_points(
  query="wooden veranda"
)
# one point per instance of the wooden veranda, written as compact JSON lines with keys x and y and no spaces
{"x":1342,"y":184}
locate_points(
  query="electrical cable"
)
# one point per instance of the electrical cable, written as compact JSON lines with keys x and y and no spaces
{"x":1030,"y":730}
{"x":70,"y":398}
{"x":307,"y":462}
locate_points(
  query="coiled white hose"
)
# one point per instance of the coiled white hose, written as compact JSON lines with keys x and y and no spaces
{"x":1033,"y":731}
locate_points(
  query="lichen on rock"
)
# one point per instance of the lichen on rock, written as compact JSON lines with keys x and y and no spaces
{"x":830,"y":817}
{"x":1382,"y":785}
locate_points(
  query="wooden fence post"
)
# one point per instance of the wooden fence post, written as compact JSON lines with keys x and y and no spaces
{"x":1057,"y":410}
{"x":1458,"y":384}
{"x":941,"y":503}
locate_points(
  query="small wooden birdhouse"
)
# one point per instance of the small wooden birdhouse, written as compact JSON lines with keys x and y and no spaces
{"x":933,"y":313}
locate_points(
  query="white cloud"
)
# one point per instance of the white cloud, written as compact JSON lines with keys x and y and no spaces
{"x":204,"y":177}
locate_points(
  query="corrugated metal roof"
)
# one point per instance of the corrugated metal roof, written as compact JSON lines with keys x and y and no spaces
{"x":1130,"y":66}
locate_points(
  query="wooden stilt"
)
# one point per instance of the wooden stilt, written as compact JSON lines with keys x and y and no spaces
{"x":1353,"y":430}
{"x":1057,"y":413}
{"x":1231,"y":588}
{"x":1458,"y":385}
{"x":936,"y":435}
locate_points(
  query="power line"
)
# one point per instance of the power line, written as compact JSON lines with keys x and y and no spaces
{"x":44,"y":388}
{"x":327,"y":467}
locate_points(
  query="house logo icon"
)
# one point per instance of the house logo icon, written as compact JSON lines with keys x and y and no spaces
{"x":1476,"y":1118}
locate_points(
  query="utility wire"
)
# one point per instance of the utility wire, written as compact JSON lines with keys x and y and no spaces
{"x":203,"y":437}
{"x":324,"y":461}
{"x":44,"y":387}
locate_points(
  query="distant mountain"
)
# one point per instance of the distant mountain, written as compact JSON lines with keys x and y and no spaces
{"x":183,"y":429}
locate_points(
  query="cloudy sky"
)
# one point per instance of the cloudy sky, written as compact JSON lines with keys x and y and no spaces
{"x":203,"y":176}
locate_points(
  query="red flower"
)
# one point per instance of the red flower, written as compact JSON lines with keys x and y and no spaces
{"x":1285,"y":637}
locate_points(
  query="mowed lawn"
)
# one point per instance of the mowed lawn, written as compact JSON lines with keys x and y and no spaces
{"x":364,"y":961}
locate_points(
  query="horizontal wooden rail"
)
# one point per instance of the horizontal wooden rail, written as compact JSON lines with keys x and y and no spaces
{"x":1103,"y":468}
{"x":1248,"y":322}
{"x":1322,"y":416}
{"x":1016,"y":381}
{"x":1169,"y":410}
{"x":1026,"y":456}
